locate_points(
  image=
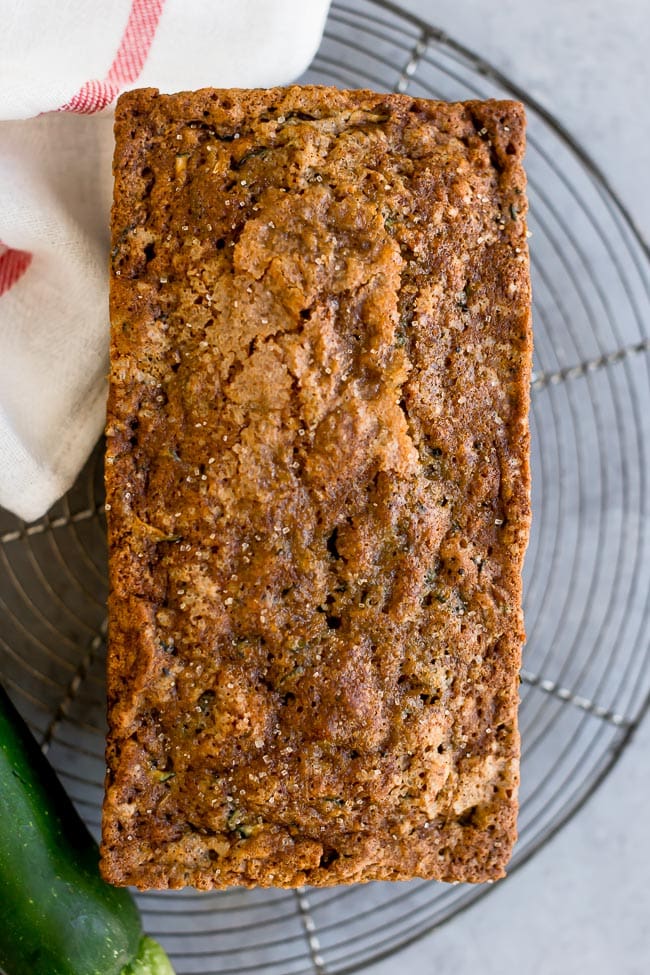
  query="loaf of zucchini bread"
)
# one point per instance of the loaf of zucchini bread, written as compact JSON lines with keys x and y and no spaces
{"x":317,"y":487}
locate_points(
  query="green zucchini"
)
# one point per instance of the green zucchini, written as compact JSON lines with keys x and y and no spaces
{"x":57,"y":915}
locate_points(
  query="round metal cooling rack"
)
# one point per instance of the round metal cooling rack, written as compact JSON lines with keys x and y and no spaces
{"x":586,"y":675}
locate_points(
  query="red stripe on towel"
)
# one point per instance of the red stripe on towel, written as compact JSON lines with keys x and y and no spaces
{"x":13,"y":265}
{"x":128,"y":63}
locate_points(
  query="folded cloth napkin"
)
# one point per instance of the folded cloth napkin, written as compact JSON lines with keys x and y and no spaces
{"x":61,"y":65}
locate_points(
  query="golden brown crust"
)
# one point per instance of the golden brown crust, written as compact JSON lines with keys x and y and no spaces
{"x":318,"y":487}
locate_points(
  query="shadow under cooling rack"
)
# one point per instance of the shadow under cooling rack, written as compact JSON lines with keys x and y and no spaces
{"x":586,"y":675}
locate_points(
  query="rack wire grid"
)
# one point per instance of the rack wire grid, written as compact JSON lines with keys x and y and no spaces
{"x":586,"y":676}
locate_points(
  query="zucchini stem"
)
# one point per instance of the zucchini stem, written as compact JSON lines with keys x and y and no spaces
{"x":150,"y":960}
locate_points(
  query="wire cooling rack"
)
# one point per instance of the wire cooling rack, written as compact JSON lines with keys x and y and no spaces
{"x":586,"y":676}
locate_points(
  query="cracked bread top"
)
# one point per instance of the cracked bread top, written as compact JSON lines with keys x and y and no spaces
{"x":318,"y":487}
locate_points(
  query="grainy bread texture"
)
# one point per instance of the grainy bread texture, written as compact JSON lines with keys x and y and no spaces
{"x":318,"y":488}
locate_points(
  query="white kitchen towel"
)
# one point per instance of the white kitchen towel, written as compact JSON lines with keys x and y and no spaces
{"x":61,"y":64}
